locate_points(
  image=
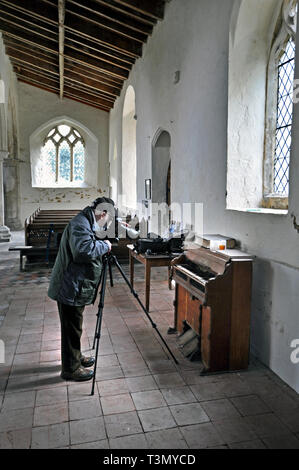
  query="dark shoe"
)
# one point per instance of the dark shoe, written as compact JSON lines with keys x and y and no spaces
{"x":87,"y":361}
{"x":79,"y":375}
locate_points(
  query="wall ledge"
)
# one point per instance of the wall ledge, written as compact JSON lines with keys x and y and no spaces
{"x":64,"y":186}
{"x":260,"y":210}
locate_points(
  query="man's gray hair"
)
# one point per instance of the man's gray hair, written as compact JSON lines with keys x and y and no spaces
{"x":103,"y":204}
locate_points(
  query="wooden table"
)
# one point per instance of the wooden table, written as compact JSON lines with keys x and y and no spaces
{"x":150,"y":261}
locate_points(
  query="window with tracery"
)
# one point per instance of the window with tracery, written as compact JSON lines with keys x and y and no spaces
{"x":63,"y":155}
{"x":280,"y":104}
{"x":283,"y":137}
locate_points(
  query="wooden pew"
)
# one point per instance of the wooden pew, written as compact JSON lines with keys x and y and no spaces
{"x":38,"y":224}
{"x":43,"y":230}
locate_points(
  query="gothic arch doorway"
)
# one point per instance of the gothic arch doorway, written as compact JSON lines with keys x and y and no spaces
{"x":161,"y":180}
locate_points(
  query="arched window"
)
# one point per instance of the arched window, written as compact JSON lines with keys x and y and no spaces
{"x":281,"y":71}
{"x":260,"y":104}
{"x":285,"y":75}
{"x":63,"y":155}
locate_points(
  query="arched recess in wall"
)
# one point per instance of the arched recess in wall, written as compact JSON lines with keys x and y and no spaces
{"x":129,"y":164}
{"x":161,"y":176}
{"x":160,"y":166}
{"x":91,"y":163}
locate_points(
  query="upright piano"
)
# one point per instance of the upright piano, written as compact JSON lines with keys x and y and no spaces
{"x":213,"y":298}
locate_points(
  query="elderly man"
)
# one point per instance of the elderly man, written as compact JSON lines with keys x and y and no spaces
{"x":74,"y":282}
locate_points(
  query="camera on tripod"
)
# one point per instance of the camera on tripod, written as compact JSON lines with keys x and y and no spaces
{"x":108,"y":260}
{"x":107,"y":224}
{"x":155,"y":245}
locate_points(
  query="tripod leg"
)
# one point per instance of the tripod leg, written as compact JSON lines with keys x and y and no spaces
{"x":110,"y":273}
{"x":96,"y":328}
{"x":99,"y":322}
{"x":142,"y":306}
{"x":147,"y":284}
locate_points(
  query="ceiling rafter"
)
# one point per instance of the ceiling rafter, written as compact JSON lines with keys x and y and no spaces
{"x":25,"y":69}
{"x":26,"y":52}
{"x":29,"y":21}
{"x":154,"y":9}
{"x":101,"y":10}
{"x":121,"y":60}
{"x":79,"y":50}
{"x":39,"y":9}
{"x":92,"y":61}
{"x":23,"y":29}
{"x":105,"y":23}
{"x":61,"y":18}
{"x":27,"y":75}
{"x":38,"y":76}
{"x":88,"y":72}
{"x":115,"y":6}
{"x":114,"y":40}
{"x":33,"y":61}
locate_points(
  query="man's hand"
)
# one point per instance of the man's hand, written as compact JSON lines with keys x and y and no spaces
{"x":109,"y":244}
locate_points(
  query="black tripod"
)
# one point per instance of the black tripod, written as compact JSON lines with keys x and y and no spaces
{"x":108,"y":260}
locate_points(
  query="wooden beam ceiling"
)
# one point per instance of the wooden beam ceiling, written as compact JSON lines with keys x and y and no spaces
{"x":42,"y":48}
{"x":154,"y":9}
{"x":61,"y":18}
{"x":129,"y":11}
{"x":100,"y":11}
{"x":79,"y":50}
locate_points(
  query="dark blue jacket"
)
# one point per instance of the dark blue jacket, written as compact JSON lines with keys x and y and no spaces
{"x":78,"y":265}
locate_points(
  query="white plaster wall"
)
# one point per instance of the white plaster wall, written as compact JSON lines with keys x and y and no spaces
{"x":272,"y":334}
{"x":113,"y":171}
{"x":10,"y":87}
{"x":129,"y":160}
{"x":248,"y":58}
{"x":129,"y":188}
{"x":37,"y":107}
{"x":194,"y":39}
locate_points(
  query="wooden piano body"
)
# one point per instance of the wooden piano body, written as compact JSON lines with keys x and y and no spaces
{"x":213,"y":297}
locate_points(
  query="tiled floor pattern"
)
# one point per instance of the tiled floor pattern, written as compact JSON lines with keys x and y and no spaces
{"x":142,"y":399}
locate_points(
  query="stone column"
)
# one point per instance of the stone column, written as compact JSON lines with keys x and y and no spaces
{"x":5,"y":234}
{"x":11,"y":193}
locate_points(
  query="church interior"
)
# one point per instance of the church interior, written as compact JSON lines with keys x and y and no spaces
{"x":185,"y":113}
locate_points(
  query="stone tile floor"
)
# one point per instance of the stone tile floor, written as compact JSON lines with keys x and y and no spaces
{"x":142,"y":399}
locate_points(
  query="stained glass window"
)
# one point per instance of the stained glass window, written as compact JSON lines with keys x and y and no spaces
{"x":49,"y":158}
{"x":63,"y":155}
{"x":286,"y":70}
{"x":78,"y":154}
